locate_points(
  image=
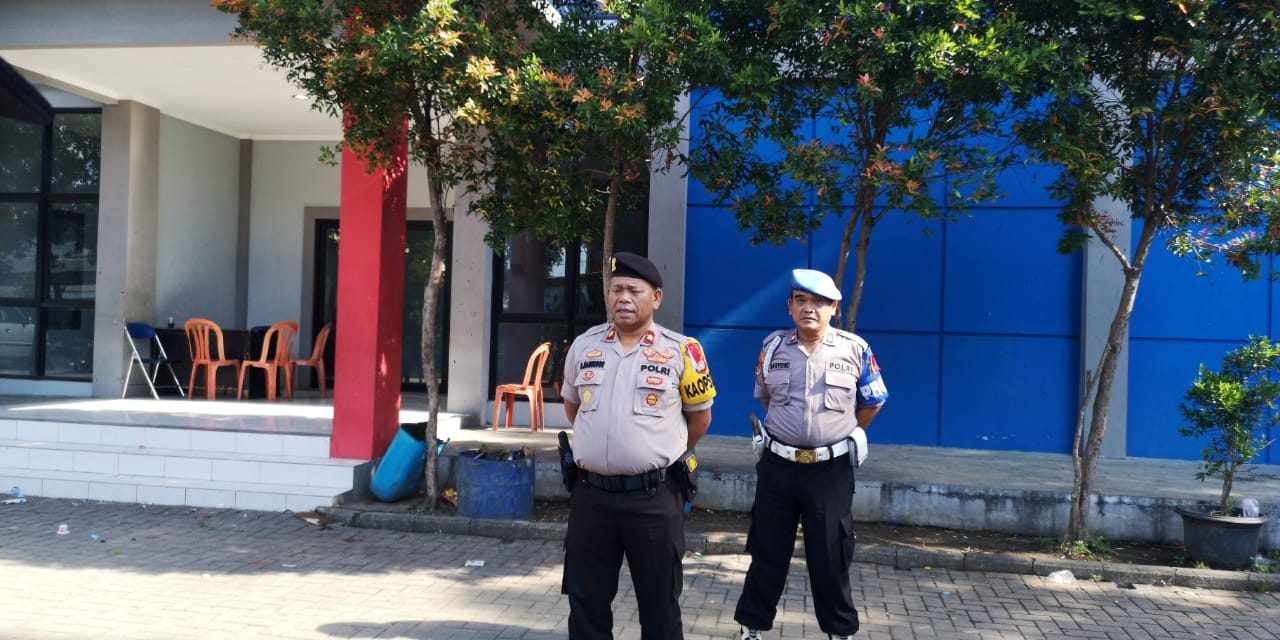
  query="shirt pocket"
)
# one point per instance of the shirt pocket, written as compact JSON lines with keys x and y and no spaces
{"x":839,"y":395}
{"x":651,"y":393}
{"x":779,"y":385}
{"x":588,"y":384}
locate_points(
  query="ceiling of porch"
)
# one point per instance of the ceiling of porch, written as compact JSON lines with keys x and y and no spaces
{"x":224,"y":87}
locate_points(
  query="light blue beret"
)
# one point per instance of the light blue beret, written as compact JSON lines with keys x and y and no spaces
{"x":815,"y":282}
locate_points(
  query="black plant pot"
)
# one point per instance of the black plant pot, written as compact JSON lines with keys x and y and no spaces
{"x":1222,"y":542}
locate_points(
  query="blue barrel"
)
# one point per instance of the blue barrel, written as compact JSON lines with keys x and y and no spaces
{"x":498,"y":489}
{"x":399,"y":473}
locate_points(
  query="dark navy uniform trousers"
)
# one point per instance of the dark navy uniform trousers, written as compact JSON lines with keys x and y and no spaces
{"x":649,"y":531}
{"x":819,"y":496}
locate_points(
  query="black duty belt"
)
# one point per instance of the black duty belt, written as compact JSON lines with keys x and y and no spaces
{"x":620,"y":484}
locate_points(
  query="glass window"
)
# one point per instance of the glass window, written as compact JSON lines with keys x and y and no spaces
{"x":73,"y":251}
{"x":532,"y":306}
{"x":20,"y":155}
{"x":77,"y":149}
{"x":49,"y":245}
{"x":516,"y":342}
{"x":18,"y":249}
{"x":419,"y":239}
{"x":533,"y":277}
{"x":69,"y":343}
{"x":17,"y":341}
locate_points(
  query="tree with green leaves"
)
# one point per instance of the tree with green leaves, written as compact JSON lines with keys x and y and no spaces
{"x":598,"y":103}
{"x":397,"y":72}
{"x":1175,"y":114}
{"x":857,"y":108}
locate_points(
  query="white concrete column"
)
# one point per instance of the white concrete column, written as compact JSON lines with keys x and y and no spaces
{"x":668,"y":200}
{"x":470,"y":312}
{"x":1103,"y":282}
{"x":128,"y":208}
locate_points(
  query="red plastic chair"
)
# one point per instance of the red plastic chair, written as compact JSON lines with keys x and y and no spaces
{"x":199,"y":332}
{"x":316,"y":360}
{"x":531,"y":389}
{"x":271,"y":363}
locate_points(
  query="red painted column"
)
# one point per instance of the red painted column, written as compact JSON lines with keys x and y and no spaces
{"x":370,"y":323}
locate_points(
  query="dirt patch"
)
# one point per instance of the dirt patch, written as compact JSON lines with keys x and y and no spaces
{"x":927,"y":538}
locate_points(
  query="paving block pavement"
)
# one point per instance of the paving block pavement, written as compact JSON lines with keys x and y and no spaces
{"x":166,"y":572}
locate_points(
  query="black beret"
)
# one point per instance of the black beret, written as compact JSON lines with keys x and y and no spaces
{"x":630,"y":265}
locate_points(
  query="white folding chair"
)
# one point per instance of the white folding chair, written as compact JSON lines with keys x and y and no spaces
{"x":140,"y":331}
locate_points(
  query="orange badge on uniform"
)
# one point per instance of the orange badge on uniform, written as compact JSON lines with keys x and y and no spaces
{"x":588,"y":375}
{"x":651,"y":399}
{"x":696,"y":356}
{"x":586,"y":396}
{"x":648,"y":338}
{"x":594,"y":353}
{"x":654,"y":380}
{"x":660,"y":357}
{"x":608,"y":337}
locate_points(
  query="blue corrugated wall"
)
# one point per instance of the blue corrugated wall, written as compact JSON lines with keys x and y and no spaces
{"x":976,"y":323}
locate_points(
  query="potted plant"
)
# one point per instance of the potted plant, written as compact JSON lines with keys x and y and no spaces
{"x":1234,"y":408}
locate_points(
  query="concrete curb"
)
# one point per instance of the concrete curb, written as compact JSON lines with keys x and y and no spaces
{"x":886,"y":555}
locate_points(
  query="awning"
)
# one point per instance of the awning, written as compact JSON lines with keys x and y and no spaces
{"x":20,"y":100}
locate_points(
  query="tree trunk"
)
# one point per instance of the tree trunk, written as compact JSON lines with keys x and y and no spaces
{"x":860,"y":272}
{"x":858,"y":214}
{"x":430,"y":305}
{"x":1082,"y":490}
{"x":606,"y":241}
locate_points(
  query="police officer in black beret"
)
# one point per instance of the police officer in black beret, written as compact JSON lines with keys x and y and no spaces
{"x":639,"y":397}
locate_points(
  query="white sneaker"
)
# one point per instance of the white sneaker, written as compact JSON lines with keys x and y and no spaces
{"x":749,"y":634}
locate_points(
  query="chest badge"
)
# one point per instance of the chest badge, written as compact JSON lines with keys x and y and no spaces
{"x":586,"y":396}
{"x":594,"y":353}
{"x":659,"y":357}
{"x":654,"y":380}
{"x":651,"y":399}
{"x":588,"y":375}
{"x":648,"y":338}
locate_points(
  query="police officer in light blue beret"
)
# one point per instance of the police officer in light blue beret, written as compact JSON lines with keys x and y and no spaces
{"x":819,"y":385}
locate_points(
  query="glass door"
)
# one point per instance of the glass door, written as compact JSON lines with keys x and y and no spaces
{"x":417,"y":265}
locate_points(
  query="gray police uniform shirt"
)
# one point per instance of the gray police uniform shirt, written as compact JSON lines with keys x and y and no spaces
{"x":630,"y":416}
{"x":812,"y":397}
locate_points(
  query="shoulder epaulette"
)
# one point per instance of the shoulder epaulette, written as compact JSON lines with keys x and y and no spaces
{"x":600,"y":328}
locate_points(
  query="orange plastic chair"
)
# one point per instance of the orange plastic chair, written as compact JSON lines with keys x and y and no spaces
{"x":199,"y":332}
{"x":271,"y":363}
{"x":316,"y":361}
{"x":531,"y":389}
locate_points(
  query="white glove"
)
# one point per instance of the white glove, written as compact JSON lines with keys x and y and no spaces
{"x":858,"y":446}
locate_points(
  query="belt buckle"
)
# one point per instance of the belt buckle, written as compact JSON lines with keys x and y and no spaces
{"x":806,"y":456}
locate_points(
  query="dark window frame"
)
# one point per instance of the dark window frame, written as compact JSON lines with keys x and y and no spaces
{"x":45,"y":199}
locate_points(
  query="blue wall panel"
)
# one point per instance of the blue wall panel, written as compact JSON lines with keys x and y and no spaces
{"x":1004,"y":275}
{"x":1186,"y":313}
{"x":1026,"y":186}
{"x":1009,"y":392}
{"x":729,"y":282}
{"x":732,"y":356}
{"x":903,"y":290}
{"x":910,"y":366}
{"x":1160,"y":371}
{"x":1173,"y":302}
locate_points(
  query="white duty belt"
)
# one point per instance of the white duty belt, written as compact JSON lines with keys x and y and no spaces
{"x":808,"y":456}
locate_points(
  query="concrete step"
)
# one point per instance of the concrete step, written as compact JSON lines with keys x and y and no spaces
{"x":256,"y":496}
{"x":238,"y":468}
{"x":165,"y":437}
{"x":179,"y":464}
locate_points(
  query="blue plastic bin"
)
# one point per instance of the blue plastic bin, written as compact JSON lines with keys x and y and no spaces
{"x":399,"y":473}
{"x":497,"y":489}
